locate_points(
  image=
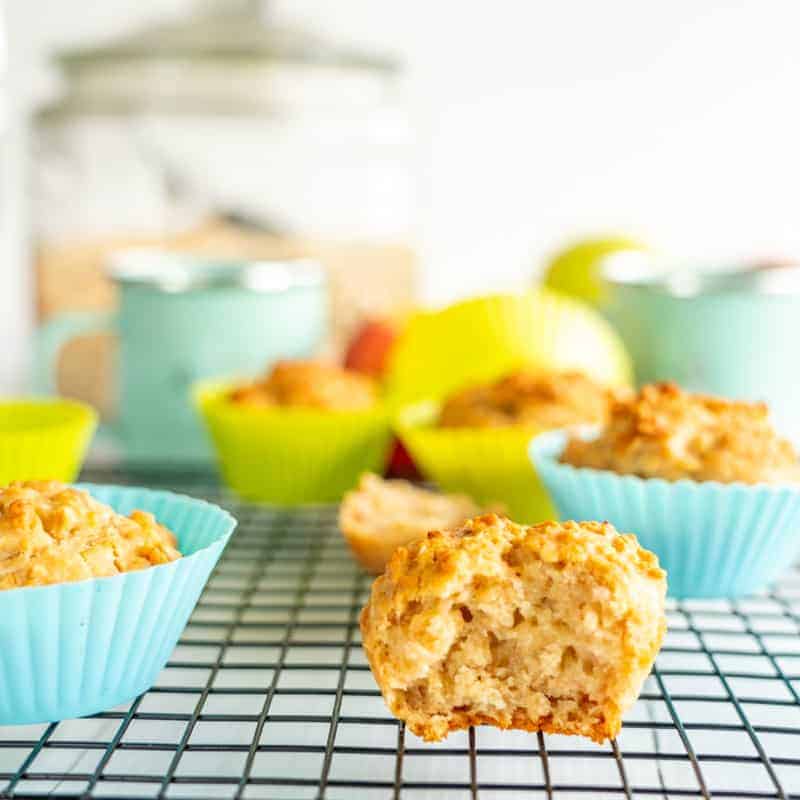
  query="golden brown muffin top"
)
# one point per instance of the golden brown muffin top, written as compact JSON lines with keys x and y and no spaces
{"x":51,"y":533}
{"x":429,"y":564}
{"x":540,"y":399}
{"x":309,"y":384}
{"x":665,"y":432}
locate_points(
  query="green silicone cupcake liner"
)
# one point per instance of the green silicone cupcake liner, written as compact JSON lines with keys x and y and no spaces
{"x":43,"y":439}
{"x":490,"y":464}
{"x":292,"y":456}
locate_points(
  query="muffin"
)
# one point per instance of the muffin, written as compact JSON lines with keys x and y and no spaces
{"x":542,"y":399}
{"x":309,"y":384}
{"x":117,"y":597}
{"x":665,"y":432}
{"x":549,"y":628}
{"x":51,"y":533}
{"x":303,"y":434}
{"x":476,"y":441}
{"x":706,"y":483}
{"x":379,"y":516}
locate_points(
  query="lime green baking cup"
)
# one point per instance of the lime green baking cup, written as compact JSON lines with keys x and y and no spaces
{"x":292,"y":456}
{"x":478,"y":340}
{"x":43,"y":439}
{"x":489,"y":464}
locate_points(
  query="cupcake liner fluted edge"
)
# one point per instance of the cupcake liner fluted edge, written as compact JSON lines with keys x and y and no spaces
{"x":715,"y":540}
{"x":74,"y":649}
{"x":293,"y":456}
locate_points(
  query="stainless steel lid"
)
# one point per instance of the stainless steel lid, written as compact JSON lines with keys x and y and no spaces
{"x":682,"y":279}
{"x":225,"y":56}
{"x":178,"y":272}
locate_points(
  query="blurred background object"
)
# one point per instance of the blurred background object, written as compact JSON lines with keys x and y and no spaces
{"x":227,"y":135}
{"x":577,"y":269}
{"x":223,"y":114}
{"x":182,"y":319}
{"x":16,"y":278}
{"x":731,"y":330}
{"x":420,"y":152}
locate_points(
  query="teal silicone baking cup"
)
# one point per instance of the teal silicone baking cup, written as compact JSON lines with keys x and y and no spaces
{"x":715,"y":540}
{"x":74,"y":649}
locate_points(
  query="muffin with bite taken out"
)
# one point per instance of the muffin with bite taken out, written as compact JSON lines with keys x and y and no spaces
{"x":551,"y":627}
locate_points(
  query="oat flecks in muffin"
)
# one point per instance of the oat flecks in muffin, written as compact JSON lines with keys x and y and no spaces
{"x":551,"y":627}
{"x":51,"y":533}
{"x":665,"y":432}
{"x":379,"y":516}
{"x":309,"y":384}
{"x":541,"y":399}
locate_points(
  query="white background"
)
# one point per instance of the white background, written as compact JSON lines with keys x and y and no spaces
{"x":676,"y":122}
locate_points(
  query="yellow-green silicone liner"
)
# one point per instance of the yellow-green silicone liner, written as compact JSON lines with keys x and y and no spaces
{"x":490,"y":464}
{"x":43,"y":439}
{"x":292,"y":456}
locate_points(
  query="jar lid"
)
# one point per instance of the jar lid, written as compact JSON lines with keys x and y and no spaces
{"x":178,"y":272}
{"x":221,"y":30}
{"x":224,"y":57}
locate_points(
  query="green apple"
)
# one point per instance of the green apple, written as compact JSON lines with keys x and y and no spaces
{"x":575,"y":270}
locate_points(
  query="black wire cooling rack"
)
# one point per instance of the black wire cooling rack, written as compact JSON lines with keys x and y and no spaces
{"x":268,"y":695}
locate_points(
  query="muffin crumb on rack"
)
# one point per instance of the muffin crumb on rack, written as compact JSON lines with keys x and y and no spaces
{"x":551,"y":627}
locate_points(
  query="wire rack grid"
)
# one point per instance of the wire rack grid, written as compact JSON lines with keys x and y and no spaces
{"x":268,"y":695}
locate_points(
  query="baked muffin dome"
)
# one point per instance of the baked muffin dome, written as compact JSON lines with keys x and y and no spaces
{"x":665,"y":432}
{"x":310,"y":384}
{"x":544,"y":399}
{"x":552,"y":627}
{"x":378,"y":516}
{"x":51,"y":533}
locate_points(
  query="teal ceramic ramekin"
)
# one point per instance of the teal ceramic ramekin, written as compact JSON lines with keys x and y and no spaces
{"x":715,"y":540}
{"x":74,"y":649}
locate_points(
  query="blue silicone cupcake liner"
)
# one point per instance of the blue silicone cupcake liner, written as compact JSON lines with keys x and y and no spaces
{"x":715,"y":540}
{"x":74,"y":649}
